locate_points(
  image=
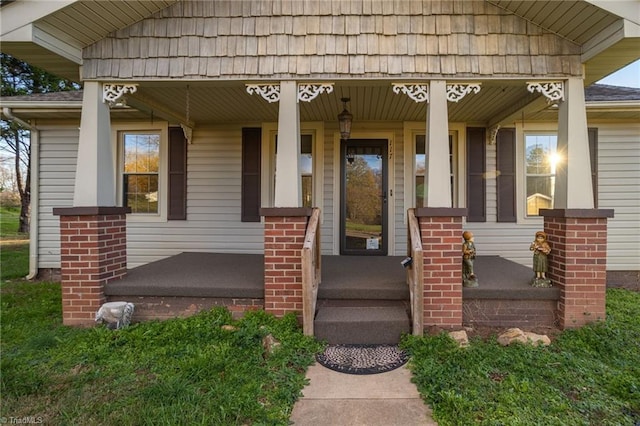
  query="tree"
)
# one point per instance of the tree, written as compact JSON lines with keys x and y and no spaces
{"x":20,"y":78}
{"x":363,"y":193}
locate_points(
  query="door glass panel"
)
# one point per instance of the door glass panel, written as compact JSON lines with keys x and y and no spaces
{"x":364,"y":199}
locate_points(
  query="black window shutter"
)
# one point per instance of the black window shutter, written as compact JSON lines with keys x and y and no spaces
{"x":593,"y":153}
{"x":251,"y":157}
{"x":177,"y":175}
{"x":506,"y":180}
{"x":476,"y":168}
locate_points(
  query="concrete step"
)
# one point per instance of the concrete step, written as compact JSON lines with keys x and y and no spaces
{"x":363,"y":277}
{"x":379,"y":323}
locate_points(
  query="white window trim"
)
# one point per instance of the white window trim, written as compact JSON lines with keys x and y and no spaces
{"x":269,"y":132}
{"x":458,"y":131}
{"x":337,"y":176}
{"x":521,"y":179}
{"x":162,"y":128}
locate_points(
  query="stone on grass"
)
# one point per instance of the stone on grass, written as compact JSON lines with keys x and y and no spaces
{"x":517,"y":335}
{"x":538,"y":339}
{"x":512,"y":335}
{"x":460,"y":337}
{"x":269,"y":343}
{"x":228,"y":327}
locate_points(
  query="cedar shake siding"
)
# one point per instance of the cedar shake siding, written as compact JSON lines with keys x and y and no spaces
{"x":321,"y":39}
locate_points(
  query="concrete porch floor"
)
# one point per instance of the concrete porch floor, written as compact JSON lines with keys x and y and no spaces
{"x":224,"y":275}
{"x":189,"y":282}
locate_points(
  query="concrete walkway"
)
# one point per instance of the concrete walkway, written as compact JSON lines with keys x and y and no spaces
{"x":333,"y":399}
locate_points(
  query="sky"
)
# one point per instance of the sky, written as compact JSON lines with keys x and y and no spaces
{"x":628,"y":76}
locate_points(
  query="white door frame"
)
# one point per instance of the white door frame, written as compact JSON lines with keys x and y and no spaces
{"x":391,"y":204}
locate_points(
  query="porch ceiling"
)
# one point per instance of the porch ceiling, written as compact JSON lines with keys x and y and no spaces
{"x":501,"y":102}
{"x":370,"y":101}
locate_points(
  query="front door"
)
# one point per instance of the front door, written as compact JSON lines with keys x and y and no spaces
{"x":363,"y":201}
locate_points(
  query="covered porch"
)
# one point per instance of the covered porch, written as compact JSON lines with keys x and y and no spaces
{"x":191,"y":281}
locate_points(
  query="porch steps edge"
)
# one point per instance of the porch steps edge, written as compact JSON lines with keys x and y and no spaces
{"x":362,"y":324}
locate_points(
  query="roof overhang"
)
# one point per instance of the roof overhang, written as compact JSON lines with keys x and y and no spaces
{"x":37,"y":31}
{"x":22,"y":37}
{"x":611,"y":50}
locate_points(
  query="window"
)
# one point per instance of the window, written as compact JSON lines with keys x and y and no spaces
{"x":141,"y":168}
{"x":421,"y":170}
{"x":541,"y":159}
{"x":306,"y":170}
{"x":523,"y":190}
{"x":152,"y":171}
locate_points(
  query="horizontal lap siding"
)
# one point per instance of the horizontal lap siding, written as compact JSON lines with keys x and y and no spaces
{"x":619,"y":189}
{"x":213,"y":205}
{"x":330,"y":170}
{"x":213,"y":199}
{"x":58,"y":157}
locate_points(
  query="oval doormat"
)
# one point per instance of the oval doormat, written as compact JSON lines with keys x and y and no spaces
{"x":362,"y":359}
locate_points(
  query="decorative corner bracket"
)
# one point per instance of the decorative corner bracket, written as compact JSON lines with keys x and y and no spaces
{"x":269,"y":92}
{"x":112,"y":93}
{"x":417,"y":92}
{"x":552,"y":90}
{"x":493,"y":134}
{"x":188,"y":133}
{"x":308,"y":92}
{"x":455,"y":92}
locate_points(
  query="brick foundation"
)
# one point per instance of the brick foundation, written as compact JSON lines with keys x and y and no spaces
{"x":441,"y":233}
{"x":93,"y":251}
{"x":510,"y":313}
{"x":284,"y":231}
{"x":578,"y":263}
{"x":161,"y":308}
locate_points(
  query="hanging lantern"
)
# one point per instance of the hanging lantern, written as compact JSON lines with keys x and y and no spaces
{"x":344,"y":120}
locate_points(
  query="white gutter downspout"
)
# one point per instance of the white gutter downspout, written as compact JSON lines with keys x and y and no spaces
{"x":35,"y":177}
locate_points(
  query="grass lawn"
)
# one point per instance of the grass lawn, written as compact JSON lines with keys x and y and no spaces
{"x":589,"y":376}
{"x":177,"y":372}
{"x":14,"y":246}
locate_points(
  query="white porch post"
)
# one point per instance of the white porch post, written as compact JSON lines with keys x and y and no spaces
{"x":95,"y":175}
{"x":438,"y":179}
{"x":573,"y":189}
{"x":288,"y":187}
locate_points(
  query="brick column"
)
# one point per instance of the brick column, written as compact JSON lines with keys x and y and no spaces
{"x":93,"y":251}
{"x":578,"y":262}
{"x":441,"y":233}
{"x":284,"y":231}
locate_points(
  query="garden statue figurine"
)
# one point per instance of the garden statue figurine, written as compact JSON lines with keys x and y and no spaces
{"x":115,"y":314}
{"x":541,"y":249}
{"x":469,"y":279}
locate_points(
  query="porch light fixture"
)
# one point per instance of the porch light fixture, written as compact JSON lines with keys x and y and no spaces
{"x":344,"y":119}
